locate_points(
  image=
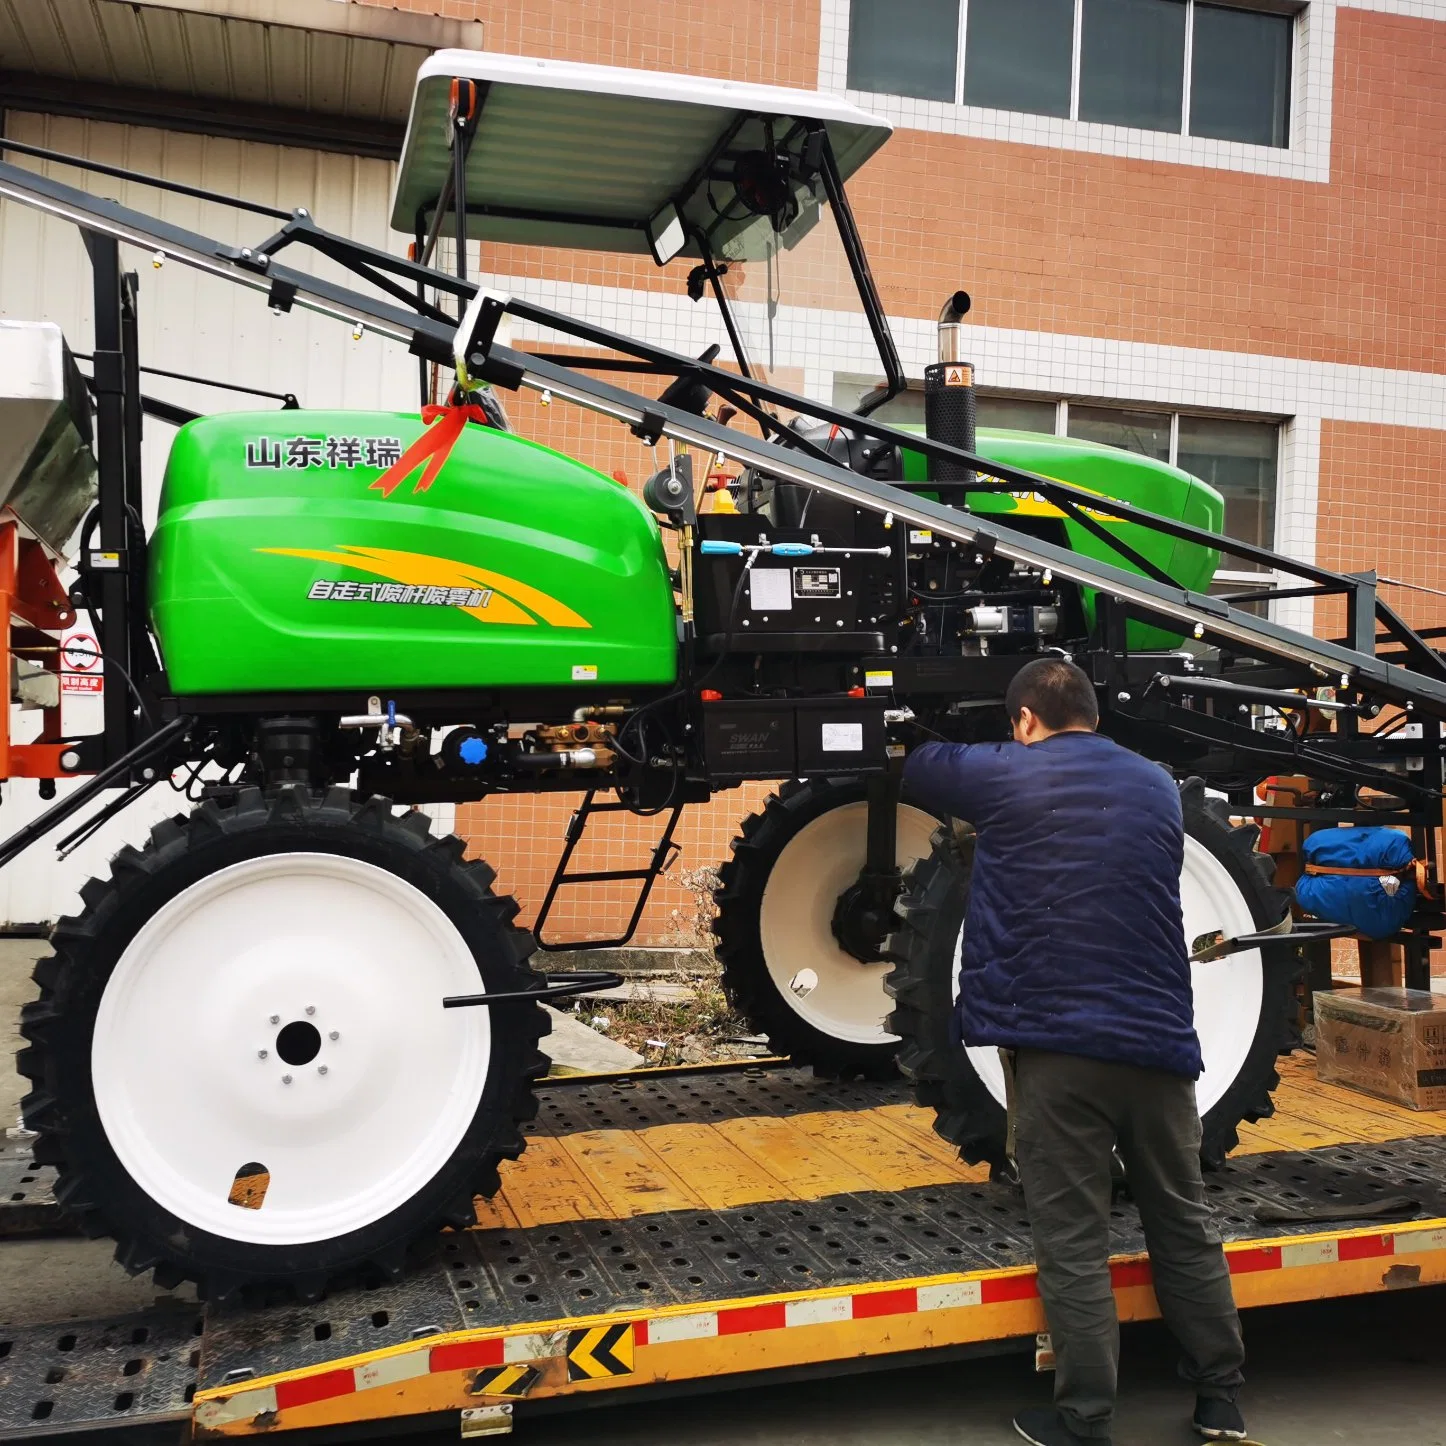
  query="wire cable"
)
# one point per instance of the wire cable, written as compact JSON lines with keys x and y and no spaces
{"x":105,"y":661}
{"x":85,"y":163}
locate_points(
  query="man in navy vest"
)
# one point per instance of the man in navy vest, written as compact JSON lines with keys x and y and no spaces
{"x":1074,"y":962}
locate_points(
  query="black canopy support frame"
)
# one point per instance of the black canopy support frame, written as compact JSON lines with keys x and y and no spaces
{"x":714,"y":273}
{"x":894,"y":381}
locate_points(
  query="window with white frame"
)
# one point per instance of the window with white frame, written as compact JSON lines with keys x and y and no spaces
{"x":1219,"y":71}
{"x":1238,"y":456}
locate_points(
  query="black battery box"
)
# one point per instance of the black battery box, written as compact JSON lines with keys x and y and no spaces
{"x":793,"y":737}
{"x":841,"y":596}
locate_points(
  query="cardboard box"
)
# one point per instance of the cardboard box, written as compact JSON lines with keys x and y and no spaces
{"x":1385,"y":1042}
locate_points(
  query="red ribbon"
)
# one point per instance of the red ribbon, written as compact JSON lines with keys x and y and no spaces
{"x":433,"y":447}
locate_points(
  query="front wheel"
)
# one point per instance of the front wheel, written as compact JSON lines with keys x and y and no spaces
{"x":240,"y":1061}
{"x":1244,"y":1004}
{"x":784,"y":967}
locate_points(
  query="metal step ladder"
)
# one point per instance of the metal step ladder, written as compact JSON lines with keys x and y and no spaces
{"x":665,"y":852}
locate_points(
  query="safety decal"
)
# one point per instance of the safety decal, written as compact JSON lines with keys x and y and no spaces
{"x":600,"y":1351}
{"x":503,"y":599}
{"x":817,"y":582}
{"x":505,"y":1381}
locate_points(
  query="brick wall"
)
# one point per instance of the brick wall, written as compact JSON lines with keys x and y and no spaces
{"x":1067,"y":241}
{"x":773,"y":41}
{"x":522,"y":837}
{"x":1046,"y":240}
{"x":1059,"y":241}
{"x":1381,"y":507}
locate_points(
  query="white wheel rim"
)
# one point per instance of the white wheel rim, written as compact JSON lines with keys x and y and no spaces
{"x":187,"y":1099}
{"x":1227,"y":992}
{"x":822,"y":983}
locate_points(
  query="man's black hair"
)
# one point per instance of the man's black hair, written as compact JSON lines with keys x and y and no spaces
{"x":1059,"y":694}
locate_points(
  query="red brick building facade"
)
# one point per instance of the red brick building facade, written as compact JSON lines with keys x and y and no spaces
{"x":1241,"y":268}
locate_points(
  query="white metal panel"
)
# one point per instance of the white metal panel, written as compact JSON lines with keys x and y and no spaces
{"x":573,"y":140}
{"x":147,"y":47}
{"x":192,"y":323}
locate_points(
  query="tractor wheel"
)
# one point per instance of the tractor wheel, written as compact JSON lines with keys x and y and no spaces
{"x":239,"y":1059}
{"x":784,"y":969}
{"x":1245,"y":1011}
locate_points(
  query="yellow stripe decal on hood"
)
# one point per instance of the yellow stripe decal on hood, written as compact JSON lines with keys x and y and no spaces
{"x":506,"y":605}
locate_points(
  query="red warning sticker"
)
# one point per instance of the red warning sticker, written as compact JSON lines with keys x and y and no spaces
{"x":80,"y":661}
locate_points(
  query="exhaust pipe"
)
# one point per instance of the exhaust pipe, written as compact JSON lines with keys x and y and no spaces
{"x":950,"y":406}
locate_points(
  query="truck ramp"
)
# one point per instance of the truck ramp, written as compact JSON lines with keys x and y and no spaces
{"x":689,"y":1226}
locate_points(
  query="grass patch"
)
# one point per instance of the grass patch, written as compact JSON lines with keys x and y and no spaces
{"x":665,"y":1031}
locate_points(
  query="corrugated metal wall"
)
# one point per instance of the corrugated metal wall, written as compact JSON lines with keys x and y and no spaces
{"x":189,"y":323}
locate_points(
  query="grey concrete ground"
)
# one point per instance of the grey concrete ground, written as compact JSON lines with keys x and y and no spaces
{"x":45,"y":1281}
{"x":51,"y":1280}
{"x":1371,"y":1372}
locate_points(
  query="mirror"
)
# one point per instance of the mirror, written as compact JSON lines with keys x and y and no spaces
{"x":665,"y":234}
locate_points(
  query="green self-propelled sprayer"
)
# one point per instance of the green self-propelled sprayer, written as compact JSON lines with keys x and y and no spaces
{"x":294,"y":1032}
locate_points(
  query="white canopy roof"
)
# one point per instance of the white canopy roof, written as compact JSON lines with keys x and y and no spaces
{"x":575,"y":147}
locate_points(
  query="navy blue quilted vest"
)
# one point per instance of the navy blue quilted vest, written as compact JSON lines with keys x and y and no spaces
{"x":1073,"y":940}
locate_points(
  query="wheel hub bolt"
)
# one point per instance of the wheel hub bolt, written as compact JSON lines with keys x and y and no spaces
{"x":311,"y":1009}
{"x":276,"y":1019}
{"x":286,"y":1079}
{"x":321,"y":1069}
{"x":333,"y":1036}
{"x":262,"y":1053}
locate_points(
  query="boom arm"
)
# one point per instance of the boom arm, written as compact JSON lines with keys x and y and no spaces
{"x":421,"y":329}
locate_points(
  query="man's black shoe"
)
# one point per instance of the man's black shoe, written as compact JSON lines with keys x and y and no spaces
{"x":1218,"y":1420}
{"x":1045,"y":1427}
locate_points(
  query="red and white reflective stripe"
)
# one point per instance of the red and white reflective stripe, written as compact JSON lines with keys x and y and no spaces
{"x":1291,"y":1254}
{"x":830,"y":1309}
{"x":743,"y":1319}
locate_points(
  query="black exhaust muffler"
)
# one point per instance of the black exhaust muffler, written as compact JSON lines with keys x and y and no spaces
{"x":950,"y":405}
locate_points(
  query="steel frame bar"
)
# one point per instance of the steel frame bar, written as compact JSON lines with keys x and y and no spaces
{"x":1198,"y":613}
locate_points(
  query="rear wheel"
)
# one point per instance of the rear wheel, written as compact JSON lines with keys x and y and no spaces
{"x":1244,"y":1004}
{"x":240,"y":1061}
{"x":784,"y":968}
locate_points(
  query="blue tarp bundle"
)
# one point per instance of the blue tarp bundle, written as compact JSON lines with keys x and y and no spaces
{"x":1358,"y":899}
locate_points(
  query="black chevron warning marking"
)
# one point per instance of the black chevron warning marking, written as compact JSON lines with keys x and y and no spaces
{"x":505,"y":1381}
{"x":600,"y":1351}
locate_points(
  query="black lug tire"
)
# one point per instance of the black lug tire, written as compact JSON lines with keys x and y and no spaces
{"x":739,"y":898}
{"x":931,"y":914}
{"x":96,"y":1190}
